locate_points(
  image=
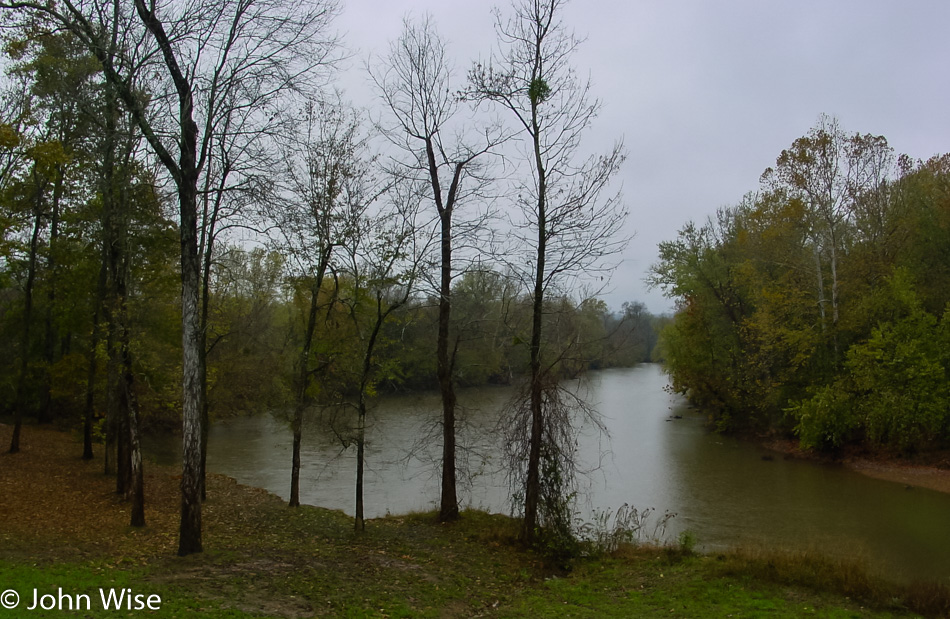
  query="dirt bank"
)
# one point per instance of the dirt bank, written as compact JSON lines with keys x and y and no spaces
{"x":935,"y":474}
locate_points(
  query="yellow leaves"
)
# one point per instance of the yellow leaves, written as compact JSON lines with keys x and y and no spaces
{"x":742,"y":236}
{"x":16,"y":48}
{"x":48,"y":155}
{"x":9,"y":138}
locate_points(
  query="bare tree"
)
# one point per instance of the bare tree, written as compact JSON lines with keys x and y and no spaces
{"x":196,"y":57}
{"x":415,"y":83}
{"x":381,"y":262}
{"x":237,"y":182}
{"x":568,"y":227}
{"x":329,"y":186}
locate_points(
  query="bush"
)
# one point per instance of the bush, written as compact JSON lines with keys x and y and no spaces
{"x":825,"y":421}
{"x":609,"y":531}
{"x":900,"y":383}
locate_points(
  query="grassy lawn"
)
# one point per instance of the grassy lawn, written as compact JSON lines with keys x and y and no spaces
{"x":63,"y":527}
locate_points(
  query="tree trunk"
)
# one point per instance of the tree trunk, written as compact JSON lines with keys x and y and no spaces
{"x":138,"y":478}
{"x":135,"y":488}
{"x":303,"y":375}
{"x":190,"y":528}
{"x":45,"y":414}
{"x":123,"y":450}
{"x":834,"y":298}
{"x":115,"y":231}
{"x":359,"y":524}
{"x":185,"y":172}
{"x":208,"y":247}
{"x":821,"y":286}
{"x":449,"y":509}
{"x":295,"y":457}
{"x":303,"y":378}
{"x":109,"y":449}
{"x":27,"y":321}
{"x":361,"y":421}
{"x":89,"y":412}
{"x":118,"y":402}
{"x":109,"y":305}
{"x":130,"y":464}
{"x":533,"y":478}
{"x":206,"y":252}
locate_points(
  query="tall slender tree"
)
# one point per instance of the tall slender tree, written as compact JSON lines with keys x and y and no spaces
{"x":415,"y":82}
{"x":568,"y":226}
{"x":38,"y":186}
{"x":382,"y":263}
{"x":329,"y":186}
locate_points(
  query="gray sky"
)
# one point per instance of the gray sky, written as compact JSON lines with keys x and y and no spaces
{"x":707,"y":94}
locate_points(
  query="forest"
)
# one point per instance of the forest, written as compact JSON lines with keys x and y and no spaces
{"x":195,"y":225}
{"x":818,"y":305}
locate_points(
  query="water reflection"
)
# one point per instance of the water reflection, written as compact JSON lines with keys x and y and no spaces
{"x":659,"y":455}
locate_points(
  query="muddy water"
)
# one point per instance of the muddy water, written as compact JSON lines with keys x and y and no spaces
{"x":658,"y":454}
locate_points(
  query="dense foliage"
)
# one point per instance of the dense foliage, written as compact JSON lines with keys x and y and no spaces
{"x":257,"y":316}
{"x":819,"y":305}
{"x":257,"y":296}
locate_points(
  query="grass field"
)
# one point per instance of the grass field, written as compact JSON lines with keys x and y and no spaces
{"x":64,"y":528}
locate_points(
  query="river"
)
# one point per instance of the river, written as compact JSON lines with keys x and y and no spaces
{"x":658,"y":454}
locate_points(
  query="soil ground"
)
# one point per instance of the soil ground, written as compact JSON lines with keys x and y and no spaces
{"x":931,"y":472}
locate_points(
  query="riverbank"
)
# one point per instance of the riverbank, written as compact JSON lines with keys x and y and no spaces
{"x":933,"y":473}
{"x":63,"y":527}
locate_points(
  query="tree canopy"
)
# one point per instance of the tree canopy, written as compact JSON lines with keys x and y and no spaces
{"x":818,"y":304}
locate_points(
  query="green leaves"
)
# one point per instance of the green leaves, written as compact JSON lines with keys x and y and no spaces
{"x":538,"y":91}
{"x":893,"y":392}
{"x":812,"y":305}
{"x":826,"y":420}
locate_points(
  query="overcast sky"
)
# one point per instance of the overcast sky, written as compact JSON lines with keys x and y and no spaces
{"x":707,"y":94}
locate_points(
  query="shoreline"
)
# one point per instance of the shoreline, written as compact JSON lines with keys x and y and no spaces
{"x":910,"y":474}
{"x":67,"y":530}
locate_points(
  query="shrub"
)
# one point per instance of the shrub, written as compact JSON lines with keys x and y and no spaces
{"x":608,"y":531}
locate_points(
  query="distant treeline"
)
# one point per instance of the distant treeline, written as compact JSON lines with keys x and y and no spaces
{"x":819,"y":305}
{"x":256,"y":316}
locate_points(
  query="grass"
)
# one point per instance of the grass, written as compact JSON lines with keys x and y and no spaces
{"x":63,"y":527}
{"x":846,"y":577}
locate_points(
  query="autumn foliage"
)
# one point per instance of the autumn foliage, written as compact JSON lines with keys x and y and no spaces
{"x":818,"y":305}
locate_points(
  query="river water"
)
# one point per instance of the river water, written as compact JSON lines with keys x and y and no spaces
{"x":658,"y":455}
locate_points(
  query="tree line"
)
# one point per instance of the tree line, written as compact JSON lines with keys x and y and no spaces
{"x":196,"y":225}
{"x":818,"y":305}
